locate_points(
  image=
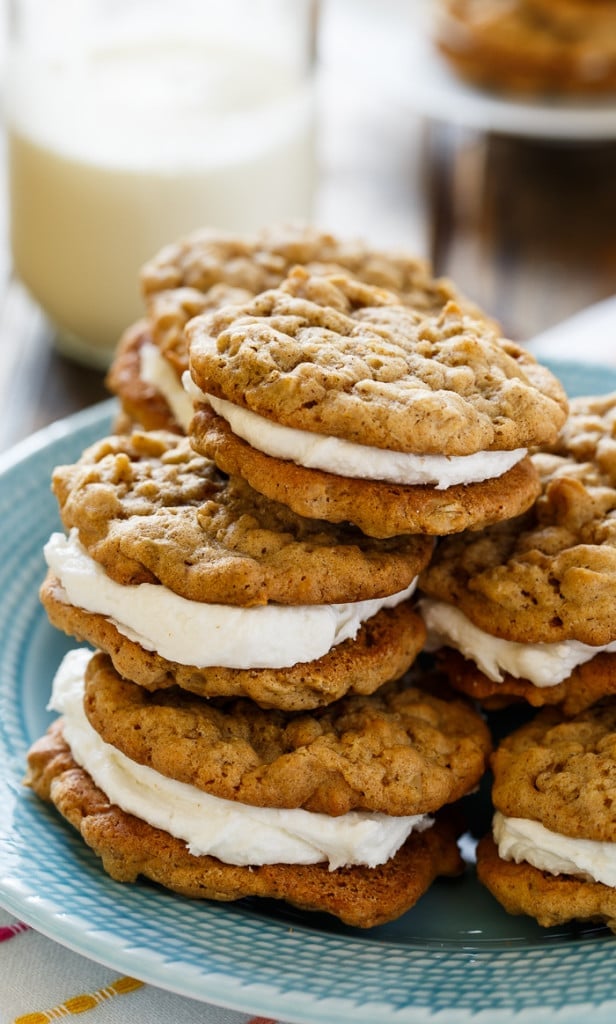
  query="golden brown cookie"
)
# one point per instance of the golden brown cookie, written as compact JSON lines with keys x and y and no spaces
{"x":562,"y":772}
{"x":332,"y":356}
{"x":384,"y":648}
{"x":189,"y":276}
{"x":379,"y":509}
{"x":128,"y":847}
{"x":549,"y":575}
{"x":210,"y":267}
{"x":544,"y":578}
{"x":531,"y":46}
{"x":550,"y":899}
{"x":586,"y":684}
{"x":401,"y":751}
{"x":556,"y":774}
{"x":254,"y":263}
{"x":149,"y":509}
{"x":141,"y":402}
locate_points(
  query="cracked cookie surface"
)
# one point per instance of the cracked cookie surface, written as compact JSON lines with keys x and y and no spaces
{"x":209,"y":268}
{"x":561,"y":772}
{"x":149,"y":509}
{"x":330,"y":355}
{"x":401,"y":751}
{"x":549,"y":575}
{"x":383,"y":649}
{"x":191,"y":275}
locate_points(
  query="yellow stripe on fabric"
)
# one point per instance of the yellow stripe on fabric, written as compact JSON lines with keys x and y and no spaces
{"x":81,"y":1003}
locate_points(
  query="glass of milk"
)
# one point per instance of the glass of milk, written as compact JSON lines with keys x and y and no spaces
{"x":133,"y":122}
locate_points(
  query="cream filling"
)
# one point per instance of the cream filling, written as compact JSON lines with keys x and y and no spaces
{"x":206,"y":635}
{"x":314,"y":451}
{"x":541,"y":664}
{"x":155,"y":370}
{"x":234,"y":833}
{"x":519,"y":839}
{"x":345,"y":458}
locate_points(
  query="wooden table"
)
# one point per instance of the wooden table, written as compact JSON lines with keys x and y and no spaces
{"x":525,"y":228}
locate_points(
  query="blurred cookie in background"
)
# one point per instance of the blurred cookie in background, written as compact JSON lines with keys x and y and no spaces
{"x":531,"y":47}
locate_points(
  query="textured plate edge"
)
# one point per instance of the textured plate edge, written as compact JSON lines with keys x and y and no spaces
{"x":270,"y":1000}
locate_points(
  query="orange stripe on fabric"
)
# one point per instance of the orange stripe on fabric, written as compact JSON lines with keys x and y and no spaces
{"x":81,"y":1003}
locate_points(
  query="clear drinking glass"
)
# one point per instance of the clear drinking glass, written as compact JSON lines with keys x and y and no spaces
{"x":133,"y":122}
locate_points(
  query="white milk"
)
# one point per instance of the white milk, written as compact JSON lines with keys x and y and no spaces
{"x":153,"y":141}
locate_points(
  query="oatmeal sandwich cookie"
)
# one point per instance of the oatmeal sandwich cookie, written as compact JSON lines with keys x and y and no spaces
{"x":531,"y":46}
{"x":337,"y":810}
{"x":552,"y":851}
{"x":525,"y":610}
{"x":329,"y":396}
{"x":186,"y":577}
{"x":210,"y":268}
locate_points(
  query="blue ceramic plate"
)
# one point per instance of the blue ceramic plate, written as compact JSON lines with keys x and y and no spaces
{"x":455,"y":957}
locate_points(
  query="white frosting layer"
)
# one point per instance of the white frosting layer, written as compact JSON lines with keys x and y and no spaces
{"x":542,"y":664}
{"x":155,"y":370}
{"x":200,"y":634}
{"x":335,"y":455}
{"x":519,"y":839}
{"x":345,"y":458}
{"x":234,"y":833}
{"x":315,"y":451}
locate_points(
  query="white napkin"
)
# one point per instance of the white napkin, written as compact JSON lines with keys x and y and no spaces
{"x":41,"y":981}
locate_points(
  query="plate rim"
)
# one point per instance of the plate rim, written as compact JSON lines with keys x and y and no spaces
{"x":290,"y":1004}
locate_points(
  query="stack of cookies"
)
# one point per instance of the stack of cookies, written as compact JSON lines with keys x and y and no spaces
{"x":253,"y":721}
{"x":531,"y":47}
{"x":243,"y":729}
{"x":523,"y":613}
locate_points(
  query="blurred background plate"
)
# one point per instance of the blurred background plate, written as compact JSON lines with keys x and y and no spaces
{"x":433,"y":90}
{"x":589,"y":334}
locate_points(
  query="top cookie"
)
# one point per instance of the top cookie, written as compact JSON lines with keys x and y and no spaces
{"x":149,"y":509}
{"x":330,"y":355}
{"x":209,"y":268}
{"x":564,"y":46}
{"x":550,"y":574}
{"x":561,"y":772}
